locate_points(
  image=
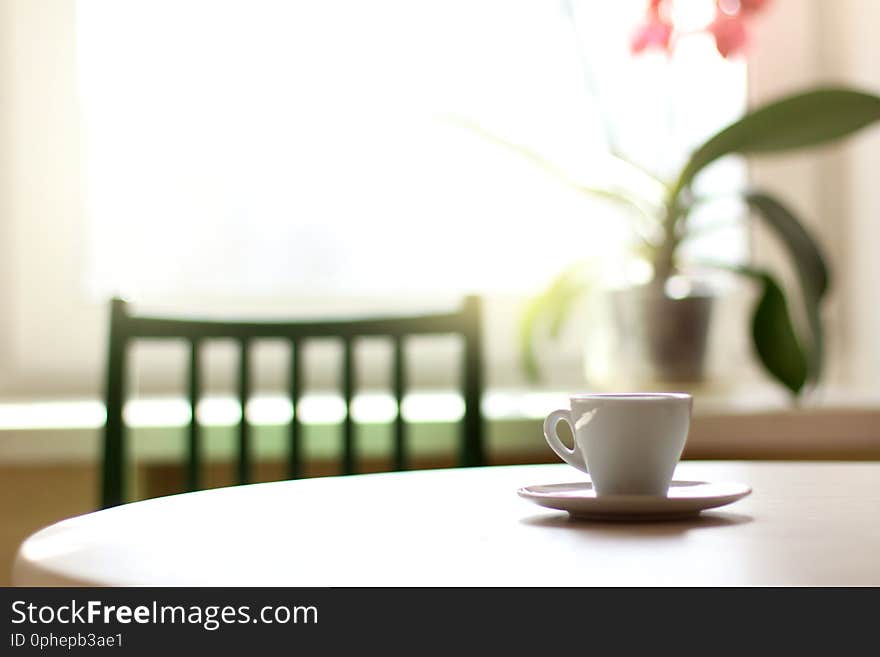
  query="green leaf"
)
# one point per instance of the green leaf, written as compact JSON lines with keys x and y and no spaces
{"x":623,"y":197}
{"x":548,"y":311}
{"x":809,"y":264}
{"x":797,"y":121}
{"x":773,"y":334}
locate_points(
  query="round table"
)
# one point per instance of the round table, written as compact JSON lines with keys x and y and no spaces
{"x":804,"y":524}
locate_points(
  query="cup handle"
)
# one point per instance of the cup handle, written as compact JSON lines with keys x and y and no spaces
{"x":571,"y":456}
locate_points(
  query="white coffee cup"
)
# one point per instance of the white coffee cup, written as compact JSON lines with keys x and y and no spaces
{"x":629,"y":444}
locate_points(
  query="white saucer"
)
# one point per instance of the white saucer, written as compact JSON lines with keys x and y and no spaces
{"x":684,"y":499}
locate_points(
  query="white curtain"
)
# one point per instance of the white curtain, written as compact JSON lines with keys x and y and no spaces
{"x":258,"y":148}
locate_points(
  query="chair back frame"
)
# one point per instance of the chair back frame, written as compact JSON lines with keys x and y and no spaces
{"x":126,"y":327}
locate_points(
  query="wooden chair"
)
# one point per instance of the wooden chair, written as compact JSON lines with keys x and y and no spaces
{"x":126,"y":328}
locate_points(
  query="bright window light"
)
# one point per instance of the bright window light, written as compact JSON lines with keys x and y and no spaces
{"x":257,"y":148}
{"x":52,"y":415}
{"x":157,"y":413}
{"x":273,"y":410}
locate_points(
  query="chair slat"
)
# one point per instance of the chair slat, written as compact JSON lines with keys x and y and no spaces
{"x":349,"y":465}
{"x":472,"y":446}
{"x":244,"y":393}
{"x":113,"y":480}
{"x":193,"y":480}
{"x":294,"y":462}
{"x":398,"y":381}
{"x":126,"y":328}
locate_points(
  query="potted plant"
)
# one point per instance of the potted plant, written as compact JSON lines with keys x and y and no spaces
{"x":663,"y":324}
{"x":670,"y":321}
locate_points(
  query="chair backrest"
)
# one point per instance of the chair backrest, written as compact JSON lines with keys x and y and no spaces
{"x":126,"y":328}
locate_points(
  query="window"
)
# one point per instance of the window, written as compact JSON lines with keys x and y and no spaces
{"x":257,"y":149}
{"x":279,"y":156}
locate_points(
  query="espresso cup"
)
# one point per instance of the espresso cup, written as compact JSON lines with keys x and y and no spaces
{"x":629,"y":444}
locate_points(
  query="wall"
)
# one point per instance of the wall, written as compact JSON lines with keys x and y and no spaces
{"x":851,"y":54}
{"x":49,"y":328}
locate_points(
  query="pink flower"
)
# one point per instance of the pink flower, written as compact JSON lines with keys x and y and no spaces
{"x":738,"y":7}
{"x":728,"y":28}
{"x":751,"y":6}
{"x":730,"y":34}
{"x":654,"y":32}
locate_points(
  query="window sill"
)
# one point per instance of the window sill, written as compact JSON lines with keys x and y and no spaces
{"x":842,"y":425}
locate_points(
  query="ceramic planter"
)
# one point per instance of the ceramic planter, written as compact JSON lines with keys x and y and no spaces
{"x":661,"y":339}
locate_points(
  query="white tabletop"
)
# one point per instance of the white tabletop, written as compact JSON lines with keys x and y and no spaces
{"x":804,"y":524}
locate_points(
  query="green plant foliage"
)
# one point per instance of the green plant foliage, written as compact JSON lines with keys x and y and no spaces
{"x":800,"y":120}
{"x":548,"y":311}
{"x":773,"y":333}
{"x":806,"y":119}
{"x":626,"y":198}
{"x":809,"y":262}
